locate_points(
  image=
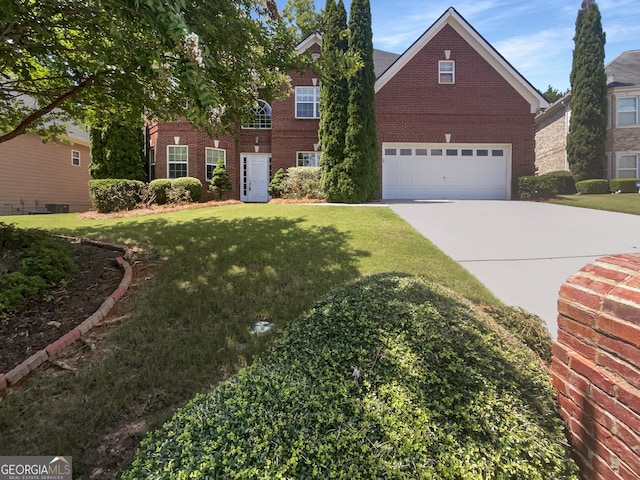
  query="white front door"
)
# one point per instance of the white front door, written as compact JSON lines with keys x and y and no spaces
{"x":254,"y":177}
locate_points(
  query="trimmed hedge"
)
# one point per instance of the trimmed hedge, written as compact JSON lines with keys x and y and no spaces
{"x":112,"y":195}
{"x":624,"y":185}
{"x":159,"y":189}
{"x":191,"y":185}
{"x":589,"y":187}
{"x":546,"y":186}
{"x":388,"y":377}
{"x":302,"y":182}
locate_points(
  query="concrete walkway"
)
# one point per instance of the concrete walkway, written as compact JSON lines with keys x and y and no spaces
{"x":522,"y":251}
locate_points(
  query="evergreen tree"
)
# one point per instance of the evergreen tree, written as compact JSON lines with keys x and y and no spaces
{"x":334,"y":97}
{"x":117,"y":151}
{"x":552,"y":95}
{"x":361,"y":143}
{"x":220,"y":181}
{"x":588,"y":127}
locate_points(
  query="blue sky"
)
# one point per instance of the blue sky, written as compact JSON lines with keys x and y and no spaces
{"x":535,"y":36}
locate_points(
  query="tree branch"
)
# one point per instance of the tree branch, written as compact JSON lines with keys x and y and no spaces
{"x":38,"y":114}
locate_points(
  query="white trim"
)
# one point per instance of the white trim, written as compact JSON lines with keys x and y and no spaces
{"x":186,"y":162}
{"x":206,"y":160}
{"x":442,"y":72}
{"x":308,"y":42}
{"x":474,"y":39}
{"x":316,"y":104}
{"x":74,"y":157}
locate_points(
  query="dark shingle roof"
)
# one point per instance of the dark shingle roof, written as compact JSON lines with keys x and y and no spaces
{"x":624,"y":70}
{"x":383,"y":60}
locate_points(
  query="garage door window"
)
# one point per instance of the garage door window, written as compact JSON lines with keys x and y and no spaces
{"x":422,"y":151}
{"x":497,"y":153}
{"x":467,"y":153}
{"x":405,"y":151}
{"x":452,"y":153}
{"x":482,"y":153}
{"x":390,"y":151}
{"x":436,"y":152}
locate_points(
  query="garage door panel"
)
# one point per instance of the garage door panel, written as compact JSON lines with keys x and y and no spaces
{"x":483,"y":172}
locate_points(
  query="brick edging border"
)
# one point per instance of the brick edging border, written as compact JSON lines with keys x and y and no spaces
{"x":53,"y":349}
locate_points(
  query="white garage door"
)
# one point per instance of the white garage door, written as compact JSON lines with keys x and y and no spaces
{"x":446,"y":171}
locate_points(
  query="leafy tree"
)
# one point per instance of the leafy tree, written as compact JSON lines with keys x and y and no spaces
{"x":117,"y":151}
{"x":84,"y":59}
{"x":361,"y":143}
{"x":220,"y":181}
{"x":553,"y":95}
{"x":588,"y":127}
{"x":302,"y":17}
{"x":334,"y":98}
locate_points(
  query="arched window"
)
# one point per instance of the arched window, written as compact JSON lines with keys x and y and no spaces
{"x":261,"y":116}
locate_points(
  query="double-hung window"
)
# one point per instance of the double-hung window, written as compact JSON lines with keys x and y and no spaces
{"x":75,"y":158}
{"x":177,"y":161}
{"x":628,"y":166}
{"x":212,"y":157}
{"x":307,"y":102}
{"x":308,"y":159}
{"x":627,"y":111}
{"x":446,"y":72}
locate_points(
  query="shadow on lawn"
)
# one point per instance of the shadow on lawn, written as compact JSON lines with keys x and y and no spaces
{"x":188,"y":330}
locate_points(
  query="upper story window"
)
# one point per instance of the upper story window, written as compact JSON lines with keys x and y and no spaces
{"x":307,"y":102}
{"x":212,"y":156}
{"x":75,"y":158}
{"x":177,"y":161}
{"x":446,"y":72}
{"x":627,"y":111}
{"x":261,"y":116}
{"x":308,"y":159}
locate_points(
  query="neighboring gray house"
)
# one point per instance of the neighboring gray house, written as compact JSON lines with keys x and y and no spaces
{"x":623,"y":123}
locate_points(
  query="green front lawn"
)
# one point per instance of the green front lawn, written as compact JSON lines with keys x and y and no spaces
{"x":623,"y":203}
{"x":219,"y":270}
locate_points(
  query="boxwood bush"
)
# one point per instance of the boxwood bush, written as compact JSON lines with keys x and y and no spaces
{"x":589,"y":187}
{"x":387,"y":377}
{"x":158,"y":190}
{"x":546,"y":186}
{"x":624,"y":185}
{"x":302,"y":182}
{"x":112,"y":195}
{"x":190,"y":184}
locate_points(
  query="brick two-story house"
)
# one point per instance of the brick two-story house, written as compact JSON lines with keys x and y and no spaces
{"x":454,"y":120}
{"x":623,"y":123}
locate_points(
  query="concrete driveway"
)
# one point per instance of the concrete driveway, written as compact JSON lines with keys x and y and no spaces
{"x":522,"y":251}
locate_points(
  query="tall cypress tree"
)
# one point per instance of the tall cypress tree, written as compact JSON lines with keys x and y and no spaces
{"x":117,"y":151}
{"x":361,"y":142}
{"x":588,"y":126}
{"x":334,"y":97}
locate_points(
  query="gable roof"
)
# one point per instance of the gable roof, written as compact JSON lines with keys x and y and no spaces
{"x":624,"y":70}
{"x":308,"y":42}
{"x":452,"y":18}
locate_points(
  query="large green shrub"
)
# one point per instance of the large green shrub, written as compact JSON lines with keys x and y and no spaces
{"x":191,"y":185}
{"x":302,"y":182}
{"x":388,"y":377}
{"x":158,"y":190}
{"x":220,"y":181}
{"x":41,"y":261}
{"x":588,"y":187}
{"x":276,"y":186}
{"x":624,"y":185}
{"x":112,"y":195}
{"x":546,"y":186}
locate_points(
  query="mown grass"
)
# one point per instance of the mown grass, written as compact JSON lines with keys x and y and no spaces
{"x":623,"y":203}
{"x":220,"y":269}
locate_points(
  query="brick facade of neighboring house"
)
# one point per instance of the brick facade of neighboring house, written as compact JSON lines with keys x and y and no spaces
{"x":623,"y":123}
{"x":40,"y":177}
{"x":454,"y":120}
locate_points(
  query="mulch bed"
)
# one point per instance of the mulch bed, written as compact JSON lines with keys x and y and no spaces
{"x":58,"y":310}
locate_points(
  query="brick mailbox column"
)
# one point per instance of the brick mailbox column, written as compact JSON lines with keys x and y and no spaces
{"x":596,"y":366}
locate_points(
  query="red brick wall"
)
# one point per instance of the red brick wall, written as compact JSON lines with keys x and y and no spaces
{"x":596,"y":366}
{"x":481,"y":107}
